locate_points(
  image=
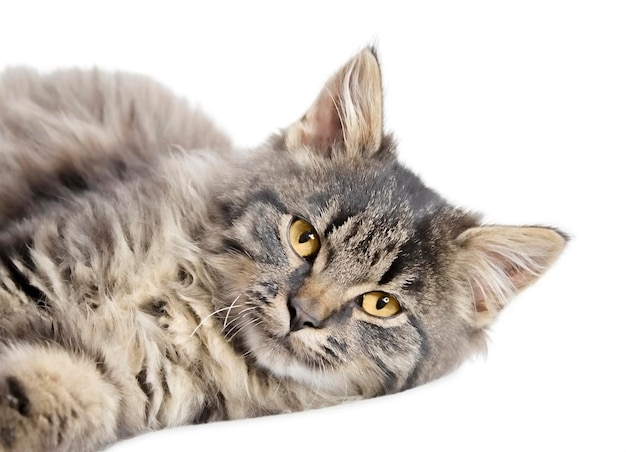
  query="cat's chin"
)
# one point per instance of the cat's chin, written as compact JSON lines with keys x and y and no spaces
{"x":273,"y":355}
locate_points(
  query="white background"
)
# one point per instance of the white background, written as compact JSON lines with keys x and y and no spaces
{"x":514,"y":109}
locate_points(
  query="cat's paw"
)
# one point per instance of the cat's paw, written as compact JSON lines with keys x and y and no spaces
{"x":36,"y":411}
{"x":15,"y":413}
{"x":53,"y":401}
{"x":14,"y":395}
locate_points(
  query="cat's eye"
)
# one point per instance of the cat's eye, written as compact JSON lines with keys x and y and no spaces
{"x":304,"y":239}
{"x":380,"y":304}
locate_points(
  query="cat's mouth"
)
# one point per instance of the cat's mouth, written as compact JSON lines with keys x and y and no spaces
{"x":309,"y":355}
{"x":292,"y":356}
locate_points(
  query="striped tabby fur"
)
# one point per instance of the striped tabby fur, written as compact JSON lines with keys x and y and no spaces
{"x":147,"y":279}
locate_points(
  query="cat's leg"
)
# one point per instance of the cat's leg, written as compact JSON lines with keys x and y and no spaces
{"x":53,"y":400}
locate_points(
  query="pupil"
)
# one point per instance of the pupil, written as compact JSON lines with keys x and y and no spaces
{"x":306,"y":237}
{"x":382,"y":302}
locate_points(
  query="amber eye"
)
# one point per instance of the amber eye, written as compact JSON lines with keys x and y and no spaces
{"x":304,"y":239}
{"x":380,"y":304}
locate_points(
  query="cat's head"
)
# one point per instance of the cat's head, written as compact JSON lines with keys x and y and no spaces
{"x":344,"y":271}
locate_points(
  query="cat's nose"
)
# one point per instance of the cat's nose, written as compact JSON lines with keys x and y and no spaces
{"x":299,"y":317}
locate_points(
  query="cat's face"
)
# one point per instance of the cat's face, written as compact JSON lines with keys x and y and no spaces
{"x":342,"y":279}
{"x":344,"y":271}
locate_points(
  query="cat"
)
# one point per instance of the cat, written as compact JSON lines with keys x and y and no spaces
{"x":153,"y":276}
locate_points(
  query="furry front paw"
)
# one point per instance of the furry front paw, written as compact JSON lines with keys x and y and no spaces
{"x":51,"y":400}
{"x":15,"y":396}
{"x":15,"y":410}
{"x":35,"y":413}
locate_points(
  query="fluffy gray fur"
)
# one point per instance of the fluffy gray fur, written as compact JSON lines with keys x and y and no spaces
{"x":147,"y":277}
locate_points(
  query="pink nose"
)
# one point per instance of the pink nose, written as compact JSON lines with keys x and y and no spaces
{"x":299,"y":318}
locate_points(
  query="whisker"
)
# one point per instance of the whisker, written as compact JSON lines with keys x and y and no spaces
{"x":239,"y":315}
{"x":211,"y":315}
{"x":241,"y":327}
{"x":254,"y":321}
{"x":229,"y":309}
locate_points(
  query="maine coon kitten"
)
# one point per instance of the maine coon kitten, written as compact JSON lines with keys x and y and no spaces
{"x":151,"y":277}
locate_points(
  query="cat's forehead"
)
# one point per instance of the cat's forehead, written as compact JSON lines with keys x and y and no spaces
{"x":366,"y":204}
{"x":386,"y":190}
{"x":371,"y":216}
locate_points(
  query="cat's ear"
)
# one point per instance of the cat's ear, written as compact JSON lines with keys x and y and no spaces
{"x":347,"y":116}
{"x":494,"y":263}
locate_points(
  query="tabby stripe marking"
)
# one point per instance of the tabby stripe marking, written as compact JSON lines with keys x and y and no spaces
{"x":394,"y":269}
{"x":425,"y":351}
{"x":22,"y":283}
{"x":337,"y":222}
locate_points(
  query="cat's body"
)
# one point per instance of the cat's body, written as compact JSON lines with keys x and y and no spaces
{"x":151,"y":277}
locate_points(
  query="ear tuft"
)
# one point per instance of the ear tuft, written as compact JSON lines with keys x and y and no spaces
{"x":497,"y":262}
{"x":347,"y":116}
